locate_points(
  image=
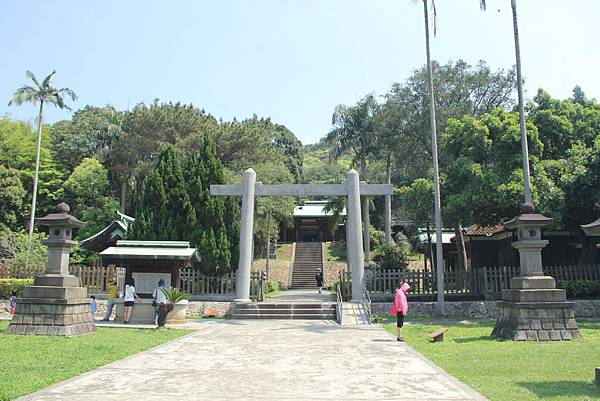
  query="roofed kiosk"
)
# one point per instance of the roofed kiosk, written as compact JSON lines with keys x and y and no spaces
{"x":149,"y":261}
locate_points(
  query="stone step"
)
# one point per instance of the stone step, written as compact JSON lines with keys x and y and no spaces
{"x":316,"y":316}
{"x":285,"y":305}
{"x":322,"y":311}
{"x":326,"y":311}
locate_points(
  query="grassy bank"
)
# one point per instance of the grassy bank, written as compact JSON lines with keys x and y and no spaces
{"x":513,"y":371}
{"x":30,"y":363}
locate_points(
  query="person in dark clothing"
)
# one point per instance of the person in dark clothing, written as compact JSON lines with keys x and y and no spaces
{"x":319,"y":278}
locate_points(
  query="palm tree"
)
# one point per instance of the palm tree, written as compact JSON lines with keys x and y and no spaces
{"x":41,"y":93}
{"x":354,"y":130}
{"x":524,"y":147}
{"x":434,"y":153}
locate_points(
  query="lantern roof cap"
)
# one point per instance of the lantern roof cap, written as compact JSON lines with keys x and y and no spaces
{"x":59,"y":216}
{"x":528,"y":220}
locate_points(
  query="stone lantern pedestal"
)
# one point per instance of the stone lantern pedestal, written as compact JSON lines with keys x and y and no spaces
{"x":533,"y":309}
{"x":56,"y":304}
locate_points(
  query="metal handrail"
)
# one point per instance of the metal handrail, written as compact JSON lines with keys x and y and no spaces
{"x":366,"y":301}
{"x":339,"y":307}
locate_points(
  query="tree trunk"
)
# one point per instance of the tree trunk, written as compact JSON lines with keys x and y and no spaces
{"x":524,"y":150}
{"x":35,"y":181}
{"x":123,"y":194}
{"x":436,"y":179}
{"x":388,"y":202}
{"x":268,"y":243}
{"x":462,"y":260}
{"x":463,"y":249}
{"x":365,"y":214}
{"x":430,"y":247}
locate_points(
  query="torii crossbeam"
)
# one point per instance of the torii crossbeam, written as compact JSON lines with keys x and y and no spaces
{"x":353,"y":189}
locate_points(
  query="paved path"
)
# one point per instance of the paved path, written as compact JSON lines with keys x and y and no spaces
{"x":309,"y":296}
{"x":268,"y":360}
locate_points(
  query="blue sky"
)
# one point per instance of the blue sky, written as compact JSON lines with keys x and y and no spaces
{"x":293,"y":61}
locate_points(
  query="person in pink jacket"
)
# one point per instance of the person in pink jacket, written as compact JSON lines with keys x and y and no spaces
{"x":400,"y":308}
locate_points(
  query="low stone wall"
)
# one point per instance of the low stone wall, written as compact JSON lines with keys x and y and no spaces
{"x":332,"y":272}
{"x":278,"y":270}
{"x":482,"y":309}
{"x":196,"y":308}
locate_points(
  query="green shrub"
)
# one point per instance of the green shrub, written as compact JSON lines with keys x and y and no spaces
{"x":391,"y":257}
{"x":173,"y":295}
{"x":273,"y":286}
{"x":8,"y":285}
{"x":377,"y":237}
{"x":580,"y":288}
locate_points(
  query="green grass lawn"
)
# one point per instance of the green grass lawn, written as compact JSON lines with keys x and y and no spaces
{"x":283,"y":253}
{"x":30,"y":363}
{"x":335,"y":251}
{"x":513,"y":371}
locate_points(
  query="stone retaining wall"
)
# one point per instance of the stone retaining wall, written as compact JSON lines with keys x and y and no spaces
{"x":482,"y":309}
{"x":278,"y":270}
{"x":196,"y":308}
{"x":584,"y":309}
{"x":332,"y":272}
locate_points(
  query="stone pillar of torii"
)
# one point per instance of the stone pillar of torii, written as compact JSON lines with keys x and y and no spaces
{"x":353,"y":189}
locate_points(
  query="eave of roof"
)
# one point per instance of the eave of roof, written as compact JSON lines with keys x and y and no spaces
{"x":484,"y":231}
{"x":109,"y":231}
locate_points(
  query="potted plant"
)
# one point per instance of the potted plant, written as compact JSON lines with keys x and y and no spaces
{"x":173,"y":296}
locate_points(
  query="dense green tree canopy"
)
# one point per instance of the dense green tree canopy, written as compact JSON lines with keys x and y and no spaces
{"x":87,"y":191}
{"x":90,"y":133}
{"x":12,"y":195}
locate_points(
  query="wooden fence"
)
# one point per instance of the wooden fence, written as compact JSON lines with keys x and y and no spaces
{"x":9,"y":270}
{"x":485,"y":282}
{"x":191,"y":281}
{"x":95,"y":278}
{"x":195,"y":283}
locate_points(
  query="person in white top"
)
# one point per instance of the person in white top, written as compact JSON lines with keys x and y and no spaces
{"x":129,"y":298}
{"x":159,"y":298}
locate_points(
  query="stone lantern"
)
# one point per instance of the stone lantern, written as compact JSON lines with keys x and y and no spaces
{"x":533,"y":309}
{"x":56,"y":304}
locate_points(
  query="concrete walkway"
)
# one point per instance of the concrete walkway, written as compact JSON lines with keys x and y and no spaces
{"x":268,"y":360}
{"x":303,"y":296}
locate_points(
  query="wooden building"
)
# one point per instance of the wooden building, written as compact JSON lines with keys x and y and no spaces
{"x":312,"y":223}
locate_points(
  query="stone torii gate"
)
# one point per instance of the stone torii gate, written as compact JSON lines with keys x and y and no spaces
{"x":353,"y":189}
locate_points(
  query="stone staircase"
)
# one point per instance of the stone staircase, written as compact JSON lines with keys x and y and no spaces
{"x":320,"y":311}
{"x":307,"y":259}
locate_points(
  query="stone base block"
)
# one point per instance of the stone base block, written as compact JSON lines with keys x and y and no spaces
{"x":536,"y":321}
{"x":56,"y":280}
{"x":534,"y":295}
{"x":52,"y":317}
{"x":54,"y":292}
{"x":532,"y":283}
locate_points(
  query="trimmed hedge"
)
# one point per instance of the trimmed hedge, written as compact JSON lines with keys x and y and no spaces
{"x":8,"y":285}
{"x":577,"y":289}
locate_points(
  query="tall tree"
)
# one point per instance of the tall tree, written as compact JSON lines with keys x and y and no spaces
{"x":90,"y":133}
{"x":142,"y":132}
{"x":40,"y":93}
{"x":11,"y":197}
{"x":88,"y":192}
{"x":390,"y":126}
{"x":434,"y":156}
{"x":18,"y":152}
{"x":524,"y":149}
{"x":216,"y":231}
{"x":460,"y":89}
{"x":354,"y":130}
{"x":165,"y":211}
